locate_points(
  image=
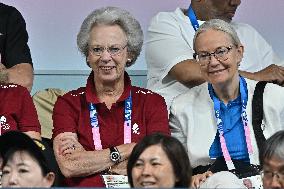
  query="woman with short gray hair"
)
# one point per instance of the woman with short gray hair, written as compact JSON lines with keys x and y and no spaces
{"x":272,"y":161}
{"x":214,"y":120}
{"x":112,"y":16}
{"x":97,"y":126}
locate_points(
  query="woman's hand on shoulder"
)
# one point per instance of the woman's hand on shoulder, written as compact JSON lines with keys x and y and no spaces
{"x":198,"y":179}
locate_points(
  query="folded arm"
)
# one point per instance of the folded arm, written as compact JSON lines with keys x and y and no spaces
{"x":168,"y":50}
{"x":21,"y":74}
{"x":33,"y":134}
{"x":75,"y":161}
{"x":187,"y":72}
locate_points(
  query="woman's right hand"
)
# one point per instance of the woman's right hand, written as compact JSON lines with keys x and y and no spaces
{"x":198,"y":179}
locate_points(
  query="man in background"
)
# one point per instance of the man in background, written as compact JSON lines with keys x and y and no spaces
{"x":15,"y":58}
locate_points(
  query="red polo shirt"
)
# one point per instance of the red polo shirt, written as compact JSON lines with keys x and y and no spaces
{"x":71,"y":114}
{"x":17,"y":111}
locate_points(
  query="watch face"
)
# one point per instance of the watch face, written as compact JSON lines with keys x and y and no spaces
{"x":114,"y":156}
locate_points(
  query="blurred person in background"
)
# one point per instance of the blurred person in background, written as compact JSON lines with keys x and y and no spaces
{"x":15,"y":58}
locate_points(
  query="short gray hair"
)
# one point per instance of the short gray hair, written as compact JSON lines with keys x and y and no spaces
{"x":112,"y":16}
{"x":274,"y":146}
{"x":219,"y":25}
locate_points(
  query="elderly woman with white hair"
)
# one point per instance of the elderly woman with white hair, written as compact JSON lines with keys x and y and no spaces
{"x":214,"y":120}
{"x":97,"y":126}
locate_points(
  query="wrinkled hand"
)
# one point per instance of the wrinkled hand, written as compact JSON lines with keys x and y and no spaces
{"x":119,"y":168}
{"x":272,"y":73}
{"x":69,"y":144}
{"x":198,"y":179}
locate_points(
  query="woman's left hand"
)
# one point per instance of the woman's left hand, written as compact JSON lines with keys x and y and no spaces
{"x":119,"y":168}
{"x":198,"y":179}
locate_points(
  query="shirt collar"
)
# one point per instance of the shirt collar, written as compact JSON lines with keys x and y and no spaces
{"x":91,"y":95}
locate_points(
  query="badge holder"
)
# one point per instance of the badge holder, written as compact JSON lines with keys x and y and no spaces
{"x":113,"y":180}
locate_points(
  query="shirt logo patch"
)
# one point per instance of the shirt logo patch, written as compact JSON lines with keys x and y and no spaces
{"x":135,"y":129}
{"x":3,"y":123}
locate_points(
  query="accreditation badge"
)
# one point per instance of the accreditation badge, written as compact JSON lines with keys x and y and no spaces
{"x":116,"y":181}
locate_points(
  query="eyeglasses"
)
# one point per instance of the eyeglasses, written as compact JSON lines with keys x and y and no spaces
{"x":221,"y":54}
{"x":269,"y":175}
{"x":112,"y":50}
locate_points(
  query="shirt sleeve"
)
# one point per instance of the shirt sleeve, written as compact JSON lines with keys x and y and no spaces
{"x":258,"y":53}
{"x":27,"y":116}
{"x":64,"y":116}
{"x":268,"y":55}
{"x":176,"y":127}
{"x":16,"y":48}
{"x":157,"y":115}
{"x":167,"y":43}
{"x":273,"y":107}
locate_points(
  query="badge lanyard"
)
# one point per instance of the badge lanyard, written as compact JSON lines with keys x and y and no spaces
{"x":192,"y":18}
{"x":220,"y":128}
{"x":95,"y":123}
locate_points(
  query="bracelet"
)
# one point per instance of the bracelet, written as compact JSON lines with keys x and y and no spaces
{"x":107,"y":171}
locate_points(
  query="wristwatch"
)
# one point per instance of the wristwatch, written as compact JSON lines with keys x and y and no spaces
{"x":114,"y":154}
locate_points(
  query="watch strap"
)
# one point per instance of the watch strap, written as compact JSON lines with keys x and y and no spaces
{"x":114,"y":154}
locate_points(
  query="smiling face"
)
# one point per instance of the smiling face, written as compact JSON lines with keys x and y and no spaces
{"x":107,"y":67}
{"x":218,"y":71}
{"x":22,"y":170}
{"x":274,"y":164}
{"x":221,"y":9}
{"x":153,"y":169}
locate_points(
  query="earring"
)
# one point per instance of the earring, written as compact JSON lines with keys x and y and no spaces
{"x":87,"y":62}
{"x":128,"y":60}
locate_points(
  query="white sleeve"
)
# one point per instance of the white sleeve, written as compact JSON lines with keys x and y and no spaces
{"x":273,"y":107}
{"x":258,"y":53}
{"x":167,"y":43}
{"x":176,"y":127}
{"x":268,"y":55}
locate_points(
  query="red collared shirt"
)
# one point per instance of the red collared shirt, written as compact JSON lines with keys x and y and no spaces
{"x":71,"y":114}
{"x":17,"y":111}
